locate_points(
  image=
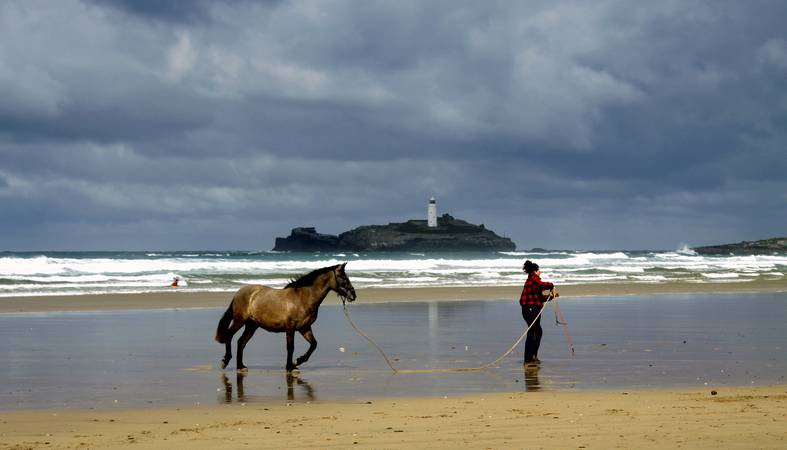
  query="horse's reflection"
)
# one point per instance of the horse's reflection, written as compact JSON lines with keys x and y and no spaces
{"x":295,"y":379}
{"x":291,"y":379}
{"x":531,"y":377}
{"x":228,"y":387}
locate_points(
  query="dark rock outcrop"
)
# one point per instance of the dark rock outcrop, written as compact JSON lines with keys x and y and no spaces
{"x":306,"y":239}
{"x":414,"y":235}
{"x":765,"y":246}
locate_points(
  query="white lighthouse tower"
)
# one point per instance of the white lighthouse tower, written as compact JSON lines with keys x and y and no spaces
{"x":431,"y":213}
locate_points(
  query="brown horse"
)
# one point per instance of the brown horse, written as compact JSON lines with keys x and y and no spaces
{"x":293,"y":308}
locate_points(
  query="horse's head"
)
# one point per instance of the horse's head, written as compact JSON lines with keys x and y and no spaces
{"x":343,"y":288}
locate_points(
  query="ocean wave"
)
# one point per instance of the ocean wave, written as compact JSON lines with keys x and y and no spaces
{"x":718,"y":276}
{"x":208,"y":271}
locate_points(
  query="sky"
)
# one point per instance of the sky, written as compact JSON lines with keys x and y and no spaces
{"x":170,"y":125}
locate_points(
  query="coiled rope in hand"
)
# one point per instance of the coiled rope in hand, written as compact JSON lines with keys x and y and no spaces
{"x":453,"y":369}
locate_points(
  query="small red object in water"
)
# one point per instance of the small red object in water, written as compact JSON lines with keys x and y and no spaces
{"x":174,"y":283}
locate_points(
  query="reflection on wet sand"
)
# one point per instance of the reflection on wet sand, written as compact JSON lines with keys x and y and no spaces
{"x":531,"y":377}
{"x":291,"y":380}
{"x":228,"y":388}
{"x":307,"y":388}
{"x":671,"y":340}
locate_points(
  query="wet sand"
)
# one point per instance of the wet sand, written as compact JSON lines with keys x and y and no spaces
{"x":743,"y":417}
{"x":298,"y":414}
{"x":149,"y":358}
{"x":185,"y":299}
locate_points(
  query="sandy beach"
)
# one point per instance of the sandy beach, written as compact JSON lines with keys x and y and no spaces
{"x":708,"y":417}
{"x":745,"y":417}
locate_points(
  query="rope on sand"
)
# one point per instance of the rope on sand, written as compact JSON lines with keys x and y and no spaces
{"x":455,"y":369}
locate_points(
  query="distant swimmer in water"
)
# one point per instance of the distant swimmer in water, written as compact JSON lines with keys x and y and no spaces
{"x":175,"y":282}
{"x":532,"y":301}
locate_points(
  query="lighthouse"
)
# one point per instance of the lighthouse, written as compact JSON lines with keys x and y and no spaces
{"x":431,"y":213}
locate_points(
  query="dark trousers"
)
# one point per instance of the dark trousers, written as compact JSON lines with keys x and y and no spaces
{"x":533,"y":341}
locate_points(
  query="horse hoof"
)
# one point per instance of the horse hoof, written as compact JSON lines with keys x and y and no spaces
{"x":223,"y":364}
{"x":243,"y":369}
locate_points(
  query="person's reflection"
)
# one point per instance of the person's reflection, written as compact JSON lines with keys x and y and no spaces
{"x":300,"y":382}
{"x":531,"y":377}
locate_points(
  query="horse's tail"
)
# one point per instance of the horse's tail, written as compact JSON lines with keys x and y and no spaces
{"x":224,"y":325}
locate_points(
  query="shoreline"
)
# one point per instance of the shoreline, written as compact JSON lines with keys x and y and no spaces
{"x":711,"y":417}
{"x":184,"y":299}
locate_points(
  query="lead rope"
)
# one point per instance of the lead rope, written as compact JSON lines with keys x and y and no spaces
{"x":561,"y":321}
{"x":359,"y":331}
{"x":456,"y":369}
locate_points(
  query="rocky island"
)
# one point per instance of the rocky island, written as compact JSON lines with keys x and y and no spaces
{"x":449,"y":234}
{"x":764,"y":246}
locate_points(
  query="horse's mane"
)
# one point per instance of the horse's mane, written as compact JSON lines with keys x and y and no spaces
{"x":308,"y":279}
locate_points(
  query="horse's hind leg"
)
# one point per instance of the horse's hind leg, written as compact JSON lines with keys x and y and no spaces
{"x":309,"y":336}
{"x":234,"y":327}
{"x":248,"y":332}
{"x":290,"y":349}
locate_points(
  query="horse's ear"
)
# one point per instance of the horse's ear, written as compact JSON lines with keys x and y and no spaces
{"x":342,"y":266}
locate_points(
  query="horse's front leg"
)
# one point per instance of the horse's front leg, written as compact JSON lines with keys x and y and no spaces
{"x":290,"y":349}
{"x":309,"y":336}
{"x":248,"y":332}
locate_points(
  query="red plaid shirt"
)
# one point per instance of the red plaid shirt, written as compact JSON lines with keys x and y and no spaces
{"x":532,"y":292}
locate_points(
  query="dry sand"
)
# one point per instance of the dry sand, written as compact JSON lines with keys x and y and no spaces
{"x":185,"y":299}
{"x":746,"y":418}
{"x":740,"y":417}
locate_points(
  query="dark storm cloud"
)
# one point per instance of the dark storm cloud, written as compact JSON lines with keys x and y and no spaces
{"x":144,"y":116}
{"x":210,"y":124}
{"x":176,"y":11}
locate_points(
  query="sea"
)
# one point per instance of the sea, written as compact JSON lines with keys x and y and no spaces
{"x":107,"y":272}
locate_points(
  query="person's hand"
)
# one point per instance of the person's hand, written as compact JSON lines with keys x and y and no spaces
{"x":555,"y":293}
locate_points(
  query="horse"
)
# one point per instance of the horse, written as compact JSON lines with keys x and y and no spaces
{"x":287,"y":310}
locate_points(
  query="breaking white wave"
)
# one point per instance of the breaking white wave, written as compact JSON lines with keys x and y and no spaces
{"x":78,"y":273}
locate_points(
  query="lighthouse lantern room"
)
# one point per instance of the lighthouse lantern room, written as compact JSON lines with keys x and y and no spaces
{"x":431,"y":213}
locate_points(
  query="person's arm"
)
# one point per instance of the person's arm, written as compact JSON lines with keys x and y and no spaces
{"x":547,"y":286}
